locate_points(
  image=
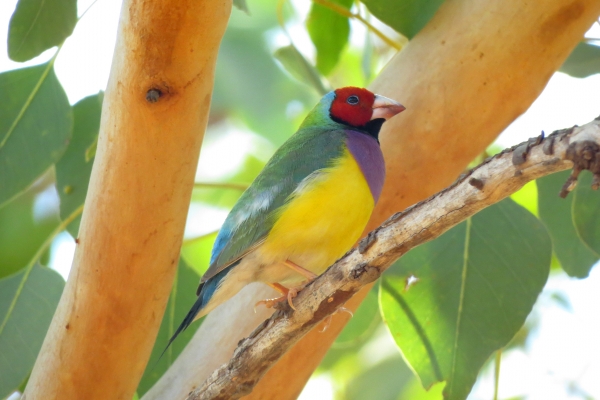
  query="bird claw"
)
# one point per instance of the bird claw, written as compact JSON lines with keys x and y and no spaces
{"x":326,"y":323}
{"x":293,"y":292}
{"x":328,"y":319}
{"x":289,"y":296}
{"x":268,"y":303}
{"x":344,"y":309}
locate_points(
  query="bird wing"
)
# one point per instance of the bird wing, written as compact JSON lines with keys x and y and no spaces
{"x":252,"y":217}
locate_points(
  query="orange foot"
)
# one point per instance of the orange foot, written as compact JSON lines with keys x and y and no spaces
{"x":287,"y":294}
{"x":302,"y":271}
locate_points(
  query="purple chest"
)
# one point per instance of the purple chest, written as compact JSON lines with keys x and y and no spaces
{"x":367,"y":153}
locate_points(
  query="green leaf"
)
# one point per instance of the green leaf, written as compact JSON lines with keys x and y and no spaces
{"x":27,"y":303}
{"x":527,"y":197}
{"x":37,"y":25}
{"x":295,"y":63}
{"x":196,"y":252}
{"x":35,"y":126}
{"x":382,"y":382}
{"x":242,"y":6}
{"x":414,"y":391}
{"x":75,"y":167}
{"x":406,"y":16}
{"x":245,"y":68}
{"x":22,"y":229}
{"x":181,"y":300}
{"x":574,"y":256}
{"x":586,"y":212}
{"x":329,"y":32}
{"x":583,"y":61}
{"x":476,"y":285}
{"x":362,"y":324}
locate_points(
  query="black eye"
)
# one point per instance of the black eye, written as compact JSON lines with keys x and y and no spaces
{"x":352,"y":100}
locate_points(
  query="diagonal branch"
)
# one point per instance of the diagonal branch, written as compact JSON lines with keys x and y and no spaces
{"x":490,"y":182}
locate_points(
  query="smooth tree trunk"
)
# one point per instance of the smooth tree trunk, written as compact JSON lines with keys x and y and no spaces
{"x":154,"y":115}
{"x":464,"y":78}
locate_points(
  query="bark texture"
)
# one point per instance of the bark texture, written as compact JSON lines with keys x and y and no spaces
{"x":492,"y":181}
{"x":154,"y":116}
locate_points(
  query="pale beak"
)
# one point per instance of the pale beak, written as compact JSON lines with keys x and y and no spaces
{"x":385,"y":108}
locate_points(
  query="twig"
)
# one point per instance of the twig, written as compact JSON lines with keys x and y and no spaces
{"x":490,"y":182}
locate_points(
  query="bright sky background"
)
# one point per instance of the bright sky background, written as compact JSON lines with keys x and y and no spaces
{"x":566,"y":348}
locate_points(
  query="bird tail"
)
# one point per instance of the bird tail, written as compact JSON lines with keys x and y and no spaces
{"x":189,"y":318}
{"x":205,"y":292}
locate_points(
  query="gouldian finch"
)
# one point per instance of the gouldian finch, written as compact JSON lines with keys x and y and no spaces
{"x":307,"y":207}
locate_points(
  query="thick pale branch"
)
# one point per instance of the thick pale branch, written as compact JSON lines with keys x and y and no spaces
{"x":154,"y":115}
{"x":492,"y":181}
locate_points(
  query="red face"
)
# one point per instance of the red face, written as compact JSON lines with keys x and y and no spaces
{"x":353,"y":106}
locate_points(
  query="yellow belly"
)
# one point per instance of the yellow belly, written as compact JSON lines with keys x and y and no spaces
{"x":320,"y":223}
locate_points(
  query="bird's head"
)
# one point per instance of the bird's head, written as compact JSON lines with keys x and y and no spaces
{"x":357,"y":108}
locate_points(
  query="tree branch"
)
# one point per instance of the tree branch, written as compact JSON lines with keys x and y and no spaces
{"x":154,"y":116}
{"x":493,"y":180}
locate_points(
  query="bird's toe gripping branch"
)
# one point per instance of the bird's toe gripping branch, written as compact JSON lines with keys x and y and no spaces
{"x":288,"y":293}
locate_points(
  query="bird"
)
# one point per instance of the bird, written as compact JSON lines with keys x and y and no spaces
{"x":307,"y":207}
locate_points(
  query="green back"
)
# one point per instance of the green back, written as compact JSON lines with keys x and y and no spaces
{"x":253,"y":216}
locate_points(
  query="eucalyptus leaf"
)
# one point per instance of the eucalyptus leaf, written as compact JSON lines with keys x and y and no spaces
{"x":75,"y":167}
{"x":35,"y":126}
{"x":242,"y":6}
{"x":475,"y":286}
{"x":406,"y":16}
{"x":555,"y":212}
{"x":250,"y":88}
{"x":22,"y":229}
{"x":295,"y":63}
{"x":329,"y":32}
{"x":37,"y":25}
{"x":181,"y":300}
{"x":27,"y":303}
{"x":527,"y":197}
{"x":196,"y":252}
{"x":583,"y":61}
{"x":586,"y":212}
{"x":414,"y":391}
{"x":383,"y":381}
